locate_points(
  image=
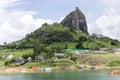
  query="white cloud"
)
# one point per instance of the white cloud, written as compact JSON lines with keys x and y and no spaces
{"x":17,"y":29}
{"x":40,"y":21}
{"x":108,"y":23}
{"x":27,"y":19}
{"x":94,"y":28}
{"x":15,"y":24}
{"x":6,"y":3}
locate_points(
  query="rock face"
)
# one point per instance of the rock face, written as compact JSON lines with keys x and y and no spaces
{"x":114,"y":72}
{"x":76,"y":20}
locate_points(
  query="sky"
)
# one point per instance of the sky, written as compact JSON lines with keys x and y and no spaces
{"x":20,"y":17}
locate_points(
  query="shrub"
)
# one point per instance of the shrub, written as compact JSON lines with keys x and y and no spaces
{"x":114,"y":63}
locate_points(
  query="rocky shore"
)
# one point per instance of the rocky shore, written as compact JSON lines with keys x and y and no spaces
{"x":12,"y":70}
{"x":114,"y":72}
{"x":18,"y":70}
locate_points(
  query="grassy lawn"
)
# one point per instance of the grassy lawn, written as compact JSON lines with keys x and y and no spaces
{"x":18,"y":53}
{"x":98,"y":59}
{"x":62,"y":44}
{"x":2,"y":63}
{"x":51,"y":63}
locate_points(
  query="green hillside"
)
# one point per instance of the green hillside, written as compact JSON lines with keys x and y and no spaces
{"x":58,"y":35}
{"x":55,"y":38}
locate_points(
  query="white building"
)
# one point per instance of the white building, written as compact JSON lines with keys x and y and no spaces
{"x":8,"y":56}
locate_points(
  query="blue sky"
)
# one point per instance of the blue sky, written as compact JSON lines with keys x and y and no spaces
{"x":19,"y":17}
{"x":55,"y":9}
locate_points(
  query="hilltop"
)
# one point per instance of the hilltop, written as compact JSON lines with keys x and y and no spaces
{"x":76,"y":20}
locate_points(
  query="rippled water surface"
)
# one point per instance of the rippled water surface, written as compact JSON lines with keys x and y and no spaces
{"x":63,"y":75}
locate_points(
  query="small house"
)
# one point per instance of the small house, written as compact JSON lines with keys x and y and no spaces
{"x":112,"y":50}
{"x":29,"y":59}
{"x":8,"y":56}
{"x":76,"y":52}
{"x":59,"y":55}
{"x":19,"y":61}
{"x":39,"y":58}
{"x":117,"y":49}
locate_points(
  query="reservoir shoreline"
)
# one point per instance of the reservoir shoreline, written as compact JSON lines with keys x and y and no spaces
{"x":14,"y":70}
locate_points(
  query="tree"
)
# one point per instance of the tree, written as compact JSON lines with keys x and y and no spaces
{"x":45,"y":24}
{"x":5,"y":43}
{"x":66,"y":46}
{"x":114,"y":42}
{"x":36,"y":49}
{"x":79,"y":45}
{"x":83,"y":38}
{"x":74,"y":58}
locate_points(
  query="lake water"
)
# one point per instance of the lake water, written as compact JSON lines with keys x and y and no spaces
{"x":63,"y":75}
